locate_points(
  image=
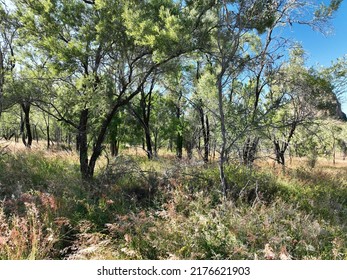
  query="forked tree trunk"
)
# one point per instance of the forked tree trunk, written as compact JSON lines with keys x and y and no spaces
{"x":114,"y":148}
{"x":249,"y":151}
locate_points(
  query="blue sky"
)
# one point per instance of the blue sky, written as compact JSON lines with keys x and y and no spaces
{"x":322,"y":49}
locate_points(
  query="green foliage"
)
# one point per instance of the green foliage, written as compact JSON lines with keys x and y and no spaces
{"x":218,"y":76}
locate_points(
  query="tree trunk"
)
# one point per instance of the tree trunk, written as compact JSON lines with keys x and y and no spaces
{"x":205,"y":133}
{"x":68,"y":138}
{"x":58,"y":135}
{"x":48,"y":136}
{"x":179,"y":145}
{"x":144,"y":117}
{"x":2,"y":79}
{"x":22,"y":128}
{"x":179,"y":136}
{"x":279,"y":152}
{"x":189,"y":148}
{"x":149,"y":149}
{"x":222,"y":158}
{"x":334,"y":150}
{"x":36,"y":134}
{"x":156,"y":142}
{"x":83,"y":143}
{"x":88,"y":167}
{"x":114,"y":148}
{"x":28,"y":135}
{"x":47,"y":130}
{"x":249,"y":151}
{"x":98,"y":145}
{"x":170,"y":145}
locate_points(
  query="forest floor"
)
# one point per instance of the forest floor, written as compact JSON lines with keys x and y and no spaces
{"x":168,"y":209}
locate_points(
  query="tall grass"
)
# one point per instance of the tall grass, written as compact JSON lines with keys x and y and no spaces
{"x":30,"y":236}
{"x":162,"y":209}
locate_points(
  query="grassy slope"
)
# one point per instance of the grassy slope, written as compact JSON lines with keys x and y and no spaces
{"x":137,"y":209}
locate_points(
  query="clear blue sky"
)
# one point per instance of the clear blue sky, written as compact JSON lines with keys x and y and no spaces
{"x":322,"y":49}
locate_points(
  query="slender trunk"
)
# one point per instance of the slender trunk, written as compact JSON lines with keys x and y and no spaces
{"x":69,"y":139}
{"x":249,"y":151}
{"x":48,"y":136}
{"x":114,"y":148}
{"x":170,"y":145}
{"x":214,"y":150}
{"x":24,"y":139}
{"x":205,"y":133}
{"x":222,"y":159}
{"x":47,"y":130}
{"x":83,"y":143}
{"x":179,"y":136}
{"x":279,"y":152}
{"x":207,"y":140}
{"x":144,"y":118}
{"x":149,"y":148}
{"x":2,"y":79}
{"x":334,"y":152}
{"x":179,"y":145}
{"x":58,"y":137}
{"x":22,"y":128}
{"x":36,"y":134}
{"x":26,"y":110}
{"x":156,"y":140}
{"x":189,"y":148}
{"x":143,"y":143}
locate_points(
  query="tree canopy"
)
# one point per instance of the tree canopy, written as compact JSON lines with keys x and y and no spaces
{"x":215,"y":77}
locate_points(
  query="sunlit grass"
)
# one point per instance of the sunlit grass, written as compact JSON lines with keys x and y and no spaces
{"x":169,"y":209}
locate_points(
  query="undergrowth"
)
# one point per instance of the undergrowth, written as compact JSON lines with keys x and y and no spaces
{"x":160,"y":209}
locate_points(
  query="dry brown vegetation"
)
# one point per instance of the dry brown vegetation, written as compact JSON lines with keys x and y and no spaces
{"x":164,"y":209}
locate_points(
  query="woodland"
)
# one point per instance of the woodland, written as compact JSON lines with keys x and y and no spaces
{"x":170,"y":129}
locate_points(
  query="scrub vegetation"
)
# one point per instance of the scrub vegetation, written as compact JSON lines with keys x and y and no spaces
{"x":172,"y":129}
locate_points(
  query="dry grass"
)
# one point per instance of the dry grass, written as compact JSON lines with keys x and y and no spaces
{"x":165,"y":209}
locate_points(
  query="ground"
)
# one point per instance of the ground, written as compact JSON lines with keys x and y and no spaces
{"x":168,"y":209}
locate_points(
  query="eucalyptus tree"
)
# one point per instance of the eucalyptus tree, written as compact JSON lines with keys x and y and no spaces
{"x":177,"y":85}
{"x":235,"y":21}
{"x":306,"y":98}
{"x":142,"y":112}
{"x":204,"y":92}
{"x":101,"y":53}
